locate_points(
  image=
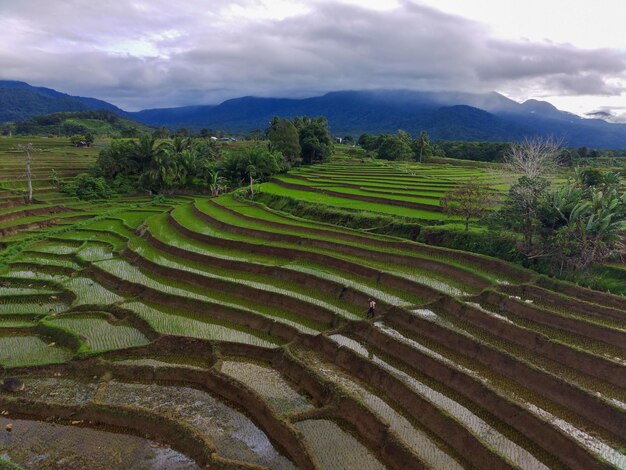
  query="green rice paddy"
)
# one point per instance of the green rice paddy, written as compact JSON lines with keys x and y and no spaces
{"x":245,"y":328}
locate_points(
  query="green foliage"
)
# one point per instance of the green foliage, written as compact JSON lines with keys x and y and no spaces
{"x":115,"y":160}
{"x":183,"y":163}
{"x":394,"y":148}
{"x":398,"y":147}
{"x":521,"y":208}
{"x":477,"y":151}
{"x":77,"y":123}
{"x":497,"y":243}
{"x":367,"y":142}
{"x":161,"y":133}
{"x":76,"y":140}
{"x":315,"y":139}
{"x":88,"y":187}
{"x":596,"y":178}
{"x":54,"y":178}
{"x":572,"y":227}
{"x":250,"y":164}
{"x":284,"y":138}
{"x":588,"y":225}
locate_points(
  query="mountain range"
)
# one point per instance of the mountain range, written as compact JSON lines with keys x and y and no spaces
{"x":20,"y":101}
{"x":444,"y":115}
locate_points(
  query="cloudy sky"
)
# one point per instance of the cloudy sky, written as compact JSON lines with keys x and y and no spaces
{"x":157,"y":53}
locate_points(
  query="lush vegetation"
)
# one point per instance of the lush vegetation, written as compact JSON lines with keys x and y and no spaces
{"x":197,"y":320}
{"x":399,"y":147}
{"x":200,"y":164}
{"x":104,"y":123}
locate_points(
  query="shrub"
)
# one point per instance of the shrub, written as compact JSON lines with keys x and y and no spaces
{"x":499,"y":244}
{"x":87,"y":187}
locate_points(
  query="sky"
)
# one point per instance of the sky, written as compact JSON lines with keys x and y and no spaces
{"x":155,"y":53}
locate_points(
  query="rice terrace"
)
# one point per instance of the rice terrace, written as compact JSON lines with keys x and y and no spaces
{"x":312,"y":234}
{"x":192,"y":331}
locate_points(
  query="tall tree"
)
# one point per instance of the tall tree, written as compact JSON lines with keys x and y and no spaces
{"x":367,"y":142}
{"x":144,"y":151}
{"x":315,"y":139}
{"x":394,"y":148}
{"x":284,"y":138}
{"x":535,"y":157}
{"x":522,"y":206}
{"x":421,"y":146}
{"x":89,"y":139}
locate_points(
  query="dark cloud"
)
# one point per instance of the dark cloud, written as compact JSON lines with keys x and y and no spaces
{"x":146,"y":54}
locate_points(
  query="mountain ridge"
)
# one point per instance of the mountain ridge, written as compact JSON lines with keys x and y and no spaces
{"x":444,"y":115}
{"x":20,"y":101}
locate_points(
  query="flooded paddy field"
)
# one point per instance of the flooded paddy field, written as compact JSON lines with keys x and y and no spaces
{"x":218,"y":332}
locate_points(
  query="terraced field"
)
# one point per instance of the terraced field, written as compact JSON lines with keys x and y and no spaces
{"x":219,"y":332}
{"x":401,"y":189}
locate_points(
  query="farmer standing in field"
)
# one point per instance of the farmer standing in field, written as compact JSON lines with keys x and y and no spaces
{"x":372,"y":307}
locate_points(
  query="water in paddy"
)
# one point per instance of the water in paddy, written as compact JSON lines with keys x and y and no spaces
{"x":268,"y":383}
{"x":234,"y":435}
{"x":175,"y":322}
{"x":99,"y":334}
{"x":158,"y":361}
{"x":42,"y":445}
{"x":478,"y":426}
{"x":29,"y":350}
{"x":425,"y":448}
{"x":334,"y":448}
{"x":58,"y":389}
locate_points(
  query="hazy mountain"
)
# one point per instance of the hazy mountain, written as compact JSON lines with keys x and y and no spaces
{"x":20,"y":101}
{"x":453,"y":116}
{"x":444,"y":115}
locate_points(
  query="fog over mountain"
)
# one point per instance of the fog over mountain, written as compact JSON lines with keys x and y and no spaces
{"x":444,"y":115}
{"x":141,"y":55}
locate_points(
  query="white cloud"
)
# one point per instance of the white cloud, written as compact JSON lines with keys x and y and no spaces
{"x":147,"y":54}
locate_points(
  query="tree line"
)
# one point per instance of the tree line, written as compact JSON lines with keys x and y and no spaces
{"x":398,"y":147}
{"x":158,"y":166}
{"x":402,"y":147}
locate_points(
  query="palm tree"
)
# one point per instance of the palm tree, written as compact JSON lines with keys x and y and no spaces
{"x":179,"y":143}
{"x":144,"y":151}
{"x":164,"y":171}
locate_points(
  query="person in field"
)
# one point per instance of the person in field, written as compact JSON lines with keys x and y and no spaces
{"x":371,"y":307}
